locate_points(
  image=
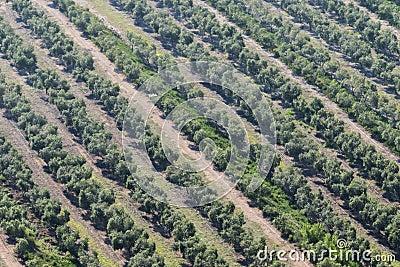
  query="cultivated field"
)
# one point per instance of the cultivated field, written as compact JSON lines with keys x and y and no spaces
{"x":88,"y":163}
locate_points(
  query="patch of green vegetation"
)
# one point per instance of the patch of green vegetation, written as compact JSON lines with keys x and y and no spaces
{"x":204,"y":229}
{"x":162,"y":247}
{"x":104,"y":260}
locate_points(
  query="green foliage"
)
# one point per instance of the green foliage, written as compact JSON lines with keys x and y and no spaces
{"x":33,"y":209}
{"x":66,"y":169}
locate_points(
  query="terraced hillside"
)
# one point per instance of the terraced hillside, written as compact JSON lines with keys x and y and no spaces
{"x":78,"y":189}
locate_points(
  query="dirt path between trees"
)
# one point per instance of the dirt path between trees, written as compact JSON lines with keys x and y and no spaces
{"x":374,"y":17}
{"x":7,"y":256}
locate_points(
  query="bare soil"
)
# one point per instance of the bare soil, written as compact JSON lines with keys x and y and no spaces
{"x":7,"y":256}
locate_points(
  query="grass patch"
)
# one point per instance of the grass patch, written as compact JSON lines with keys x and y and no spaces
{"x":163,"y":248}
{"x":117,"y":19}
{"x":223,"y":248}
{"x":104,"y":261}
